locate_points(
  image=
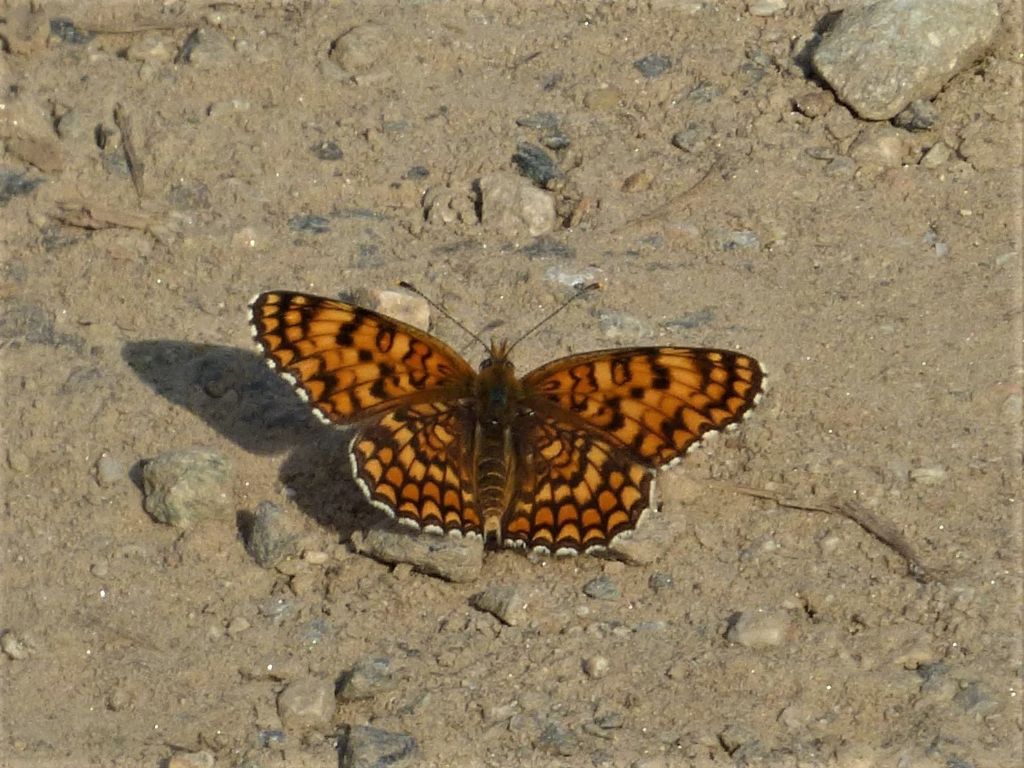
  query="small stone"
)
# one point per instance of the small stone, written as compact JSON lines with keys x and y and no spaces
{"x":653,"y":65}
{"x":66,"y":31}
{"x":511,"y":204}
{"x":363,"y":52}
{"x":17,"y":460}
{"x":503,"y":602}
{"x":932,"y":475}
{"x":920,"y":115}
{"x":151,"y":48}
{"x":603,"y":99}
{"x":596,"y":666}
{"x":765,"y":7}
{"x":237,"y":626}
{"x":541,"y":121}
{"x":637,"y":182}
{"x":536,"y":164}
{"x":691,"y":139}
{"x":556,"y":739}
{"x":109,"y":471}
{"x":758,"y":629}
{"x":315,"y":556}
{"x":368,"y":677}
{"x":326,"y":150}
{"x":206,"y":47}
{"x":879,"y":145}
{"x":736,"y":239}
{"x":936,"y":156}
{"x":404,"y":306}
{"x":15,"y":647}
{"x":228,"y":107}
{"x":269,"y":536}
{"x":814,"y":103}
{"x":451,"y":558}
{"x":306,"y":704}
{"x":181,"y":487}
{"x":100,"y":569}
{"x":601,"y":588}
{"x":202,"y":759}
{"x":659,"y":582}
{"x":369,"y":747}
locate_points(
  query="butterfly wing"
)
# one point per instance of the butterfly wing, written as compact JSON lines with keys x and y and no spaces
{"x":597,"y":425}
{"x":350,"y":363}
{"x":654,"y":402}
{"x":576,"y":491}
{"x":414,"y":463}
{"x":403,"y":389}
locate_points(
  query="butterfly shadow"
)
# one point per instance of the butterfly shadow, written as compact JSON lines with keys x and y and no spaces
{"x":236,"y":394}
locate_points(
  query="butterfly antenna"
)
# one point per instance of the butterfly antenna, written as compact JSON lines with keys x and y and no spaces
{"x":580,"y":292}
{"x":441,"y":308}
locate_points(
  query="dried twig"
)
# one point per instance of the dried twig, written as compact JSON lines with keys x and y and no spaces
{"x":135,"y":165}
{"x":880,"y":528}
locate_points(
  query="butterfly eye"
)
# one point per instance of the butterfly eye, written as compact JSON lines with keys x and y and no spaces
{"x":486,"y":363}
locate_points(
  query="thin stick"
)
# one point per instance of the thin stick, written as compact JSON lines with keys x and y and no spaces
{"x":135,"y":165}
{"x":878,"y":527}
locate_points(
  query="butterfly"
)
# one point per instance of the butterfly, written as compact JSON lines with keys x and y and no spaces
{"x":561,"y":460}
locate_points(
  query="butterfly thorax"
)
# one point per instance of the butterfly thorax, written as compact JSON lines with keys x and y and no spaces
{"x":497,"y":397}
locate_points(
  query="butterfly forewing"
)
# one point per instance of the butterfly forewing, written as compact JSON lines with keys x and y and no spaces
{"x":654,"y":402}
{"x":349,"y":362}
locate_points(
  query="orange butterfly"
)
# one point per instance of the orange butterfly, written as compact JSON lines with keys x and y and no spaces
{"x":560,"y":460}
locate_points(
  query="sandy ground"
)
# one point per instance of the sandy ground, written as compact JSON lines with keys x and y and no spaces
{"x":884,"y":298}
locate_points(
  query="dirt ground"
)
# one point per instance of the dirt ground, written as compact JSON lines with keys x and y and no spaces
{"x":883,"y":296}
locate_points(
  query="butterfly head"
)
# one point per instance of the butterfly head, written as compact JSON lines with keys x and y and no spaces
{"x":498,"y":356}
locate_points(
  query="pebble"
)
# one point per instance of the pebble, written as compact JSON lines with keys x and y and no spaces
{"x":513,"y":205}
{"x":15,"y":647}
{"x":879,"y":145}
{"x":637,"y":182}
{"x":881,"y":56}
{"x":556,"y":739}
{"x":814,"y":103}
{"x":766,"y":7}
{"x":181,"y":487}
{"x":659,"y":582}
{"x":404,"y":306}
{"x":109,"y":471}
{"x":932,"y":475}
{"x":575,"y":277}
{"x":603,"y":99}
{"x":541,"y":121}
{"x":448,"y":557}
{"x":691,"y":139}
{"x":920,"y":115}
{"x":369,"y":747}
{"x":368,"y":677}
{"x":151,"y":48}
{"x":67,"y":32}
{"x":758,"y":629}
{"x":206,"y":47}
{"x":601,"y":588}
{"x":306,"y":704}
{"x":269,"y":536}
{"x":736,"y":239}
{"x":326,"y":150}
{"x":362,"y":52}
{"x":506,"y":603}
{"x":936,"y":156}
{"x":202,"y":759}
{"x":652,"y":65}
{"x":596,"y":666}
{"x":536,"y":164}
{"x":444,"y":205}
{"x":622,"y":325}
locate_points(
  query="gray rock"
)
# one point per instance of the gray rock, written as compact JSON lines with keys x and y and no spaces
{"x":309,"y":222}
{"x":765,"y":7}
{"x":758,"y":629}
{"x":513,"y":205}
{"x":449,"y":557}
{"x":268,"y":536}
{"x":659,"y":582}
{"x":503,"y":602}
{"x":368,"y":677}
{"x":881,"y":56}
{"x":556,"y":739}
{"x":536,"y":164}
{"x":206,"y":47}
{"x":109,"y":471}
{"x":920,"y":115}
{"x":306,"y":704}
{"x":181,"y":487}
{"x":327,"y":150}
{"x":601,"y":588}
{"x":369,"y":747}
{"x":541,"y":121}
{"x":653,"y":65}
